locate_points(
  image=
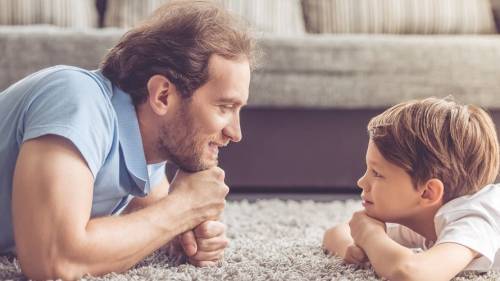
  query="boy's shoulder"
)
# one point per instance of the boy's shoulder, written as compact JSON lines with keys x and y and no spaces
{"x":482,"y":204}
{"x":487,"y":196}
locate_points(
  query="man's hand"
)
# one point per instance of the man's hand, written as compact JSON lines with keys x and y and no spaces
{"x":362,"y":227}
{"x":202,"y":192}
{"x":205,"y":245}
{"x":355,"y":255}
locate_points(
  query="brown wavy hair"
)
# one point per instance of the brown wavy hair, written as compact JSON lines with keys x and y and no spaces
{"x":439,"y":138}
{"x":177,"y":42}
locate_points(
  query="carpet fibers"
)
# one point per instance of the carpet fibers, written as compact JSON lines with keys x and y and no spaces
{"x":270,"y":240}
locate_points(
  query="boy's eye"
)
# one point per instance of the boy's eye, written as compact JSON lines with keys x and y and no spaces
{"x":376,"y":174}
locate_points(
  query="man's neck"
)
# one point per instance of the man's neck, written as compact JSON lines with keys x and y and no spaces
{"x":149,"y":135}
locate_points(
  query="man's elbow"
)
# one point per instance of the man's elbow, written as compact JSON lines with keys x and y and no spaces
{"x":50,"y":269}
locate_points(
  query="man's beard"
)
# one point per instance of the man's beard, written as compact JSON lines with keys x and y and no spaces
{"x":180,"y":143}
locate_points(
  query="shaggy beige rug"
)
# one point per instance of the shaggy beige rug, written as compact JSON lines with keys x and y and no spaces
{"x":270,"y":240}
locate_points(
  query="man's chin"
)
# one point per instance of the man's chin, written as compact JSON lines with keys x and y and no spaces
{"x":205,"y":165}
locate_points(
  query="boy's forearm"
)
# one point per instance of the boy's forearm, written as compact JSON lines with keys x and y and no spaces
{"x":337,"y":239}
{"x":386,"y":256}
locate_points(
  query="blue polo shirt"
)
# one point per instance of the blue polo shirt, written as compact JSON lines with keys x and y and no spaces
{"x":97,"y":117}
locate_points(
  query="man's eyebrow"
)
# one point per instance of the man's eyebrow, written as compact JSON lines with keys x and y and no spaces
{"x":231,"y":100}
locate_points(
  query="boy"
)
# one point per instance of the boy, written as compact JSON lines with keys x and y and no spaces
{"x":430,"y":165}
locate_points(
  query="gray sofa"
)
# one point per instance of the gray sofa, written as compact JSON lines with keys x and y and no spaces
{"x":310,"y":98}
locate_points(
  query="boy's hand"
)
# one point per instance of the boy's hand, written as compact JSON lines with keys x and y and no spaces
{"x":205,"y":245}
{"x":355,"y":255}
{"x":363,"y":227}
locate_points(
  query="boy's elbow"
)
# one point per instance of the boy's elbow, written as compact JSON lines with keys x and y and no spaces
{"x":326,"y":237}
{"x":329,"y":240}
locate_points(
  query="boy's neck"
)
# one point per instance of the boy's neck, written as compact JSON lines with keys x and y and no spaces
{"x":423,"y":223}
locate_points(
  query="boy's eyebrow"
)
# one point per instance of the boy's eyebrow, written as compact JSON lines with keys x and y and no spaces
{"x":373,"y":163}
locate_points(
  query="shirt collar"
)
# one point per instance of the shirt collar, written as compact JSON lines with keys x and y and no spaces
{"x":130,"y":139}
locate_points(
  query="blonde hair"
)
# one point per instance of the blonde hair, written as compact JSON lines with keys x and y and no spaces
{"x":439,"y":138}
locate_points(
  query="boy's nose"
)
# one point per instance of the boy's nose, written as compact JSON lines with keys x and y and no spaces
{"x":361,"y":182}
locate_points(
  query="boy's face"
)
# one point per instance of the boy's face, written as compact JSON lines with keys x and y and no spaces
{"x":388,"y":193}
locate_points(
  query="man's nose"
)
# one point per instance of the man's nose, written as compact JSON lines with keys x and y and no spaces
{"x":233,"y":130}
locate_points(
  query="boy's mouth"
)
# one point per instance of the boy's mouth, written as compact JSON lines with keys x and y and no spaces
{"x":366,"y":202}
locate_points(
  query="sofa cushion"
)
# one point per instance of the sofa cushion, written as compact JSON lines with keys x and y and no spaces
{"x":65,"y":13}
{"x":399,"y":16}
{"x":277,"y":16}
{"x":283,"y":17}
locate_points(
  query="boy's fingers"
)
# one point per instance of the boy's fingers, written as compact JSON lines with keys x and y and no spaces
{"x":188,"y":242}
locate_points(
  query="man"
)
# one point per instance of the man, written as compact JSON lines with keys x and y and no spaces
{"x":80,"y":146}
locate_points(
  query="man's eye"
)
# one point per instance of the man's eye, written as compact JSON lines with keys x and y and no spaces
{"x":226,"y":107}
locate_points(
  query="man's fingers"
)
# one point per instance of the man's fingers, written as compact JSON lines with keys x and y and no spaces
{"x":209,"y":229}
{"x":219,"y":173}
{"x":188,"y":242}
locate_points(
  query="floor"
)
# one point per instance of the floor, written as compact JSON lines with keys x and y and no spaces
{"x":317,"y":196}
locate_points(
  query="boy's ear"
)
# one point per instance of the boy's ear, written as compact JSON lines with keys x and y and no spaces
{"x":159,"y":90}
{"x":432,"y":192}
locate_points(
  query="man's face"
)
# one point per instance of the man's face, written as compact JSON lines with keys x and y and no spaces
{"x":197,"y":127}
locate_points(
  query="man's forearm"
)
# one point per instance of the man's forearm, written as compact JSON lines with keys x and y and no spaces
{"x":159,"y":192}
{"x":114,"y":244}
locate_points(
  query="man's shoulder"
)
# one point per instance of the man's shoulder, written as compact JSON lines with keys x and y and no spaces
{"x":71,"y":86}
{"x":72,"y":103}
{"x":61,"y":80}
{"x":76,"y":78}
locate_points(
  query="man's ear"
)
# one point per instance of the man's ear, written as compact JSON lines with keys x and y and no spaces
{"x":159,"y":90}
{"x":432,"y":192}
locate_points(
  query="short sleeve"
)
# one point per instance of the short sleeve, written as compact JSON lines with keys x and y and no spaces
{"x":156,"y":173}
{"x":405,"y":236}
{"x":473,"y":232}
{"x":71,"y":104}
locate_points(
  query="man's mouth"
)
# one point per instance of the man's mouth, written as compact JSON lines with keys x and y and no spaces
{"x":214,"y":147}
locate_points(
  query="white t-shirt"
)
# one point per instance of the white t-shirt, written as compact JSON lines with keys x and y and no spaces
{"x":472,"y":221}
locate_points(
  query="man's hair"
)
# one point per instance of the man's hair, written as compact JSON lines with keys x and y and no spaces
{"x":438,"y":138}
{"x":177,"y":42}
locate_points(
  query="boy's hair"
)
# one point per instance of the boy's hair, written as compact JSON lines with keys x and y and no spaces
{"x":177,"y":42}
{"x":438,"y":138}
